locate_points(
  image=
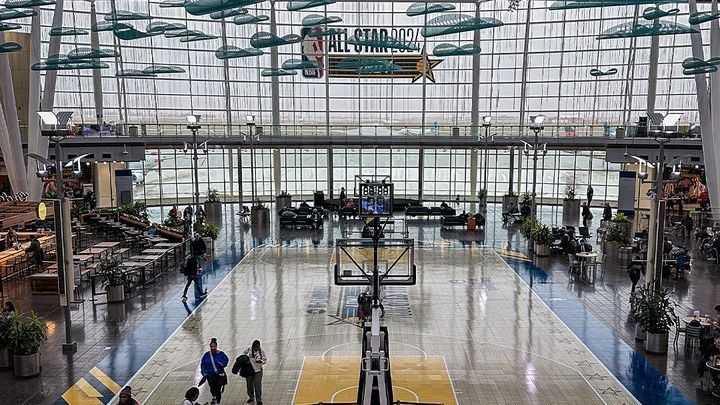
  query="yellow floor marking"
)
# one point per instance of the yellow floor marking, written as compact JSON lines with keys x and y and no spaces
{"x":82,"y":393}
{"x":514,"y":255}
{"x":105,"y":380}
{"x":335,"y":379}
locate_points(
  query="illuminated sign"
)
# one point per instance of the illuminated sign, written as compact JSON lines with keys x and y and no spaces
{"x":42,"y":211}
{"x":343,"y":57}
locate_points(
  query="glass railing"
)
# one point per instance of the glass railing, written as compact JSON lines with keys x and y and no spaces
{"x":222,"y":130}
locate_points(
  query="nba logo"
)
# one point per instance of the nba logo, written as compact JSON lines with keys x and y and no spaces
{"x":313,"y":49}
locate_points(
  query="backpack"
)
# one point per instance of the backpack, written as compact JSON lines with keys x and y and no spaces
{"x":190,"y":268}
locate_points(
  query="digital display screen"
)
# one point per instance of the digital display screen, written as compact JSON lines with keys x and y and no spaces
{"x":376,"y":199}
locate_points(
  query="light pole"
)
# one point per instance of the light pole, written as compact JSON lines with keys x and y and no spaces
{"x":537,"y":126}
{"x":250,"y":119}
{"x":194,"y":126}
{"x":63,"y":228}
{"x":486,"y":121}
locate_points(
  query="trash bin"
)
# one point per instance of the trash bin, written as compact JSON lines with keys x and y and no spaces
{"x":318,"y":198}
{"x":624,"y":256}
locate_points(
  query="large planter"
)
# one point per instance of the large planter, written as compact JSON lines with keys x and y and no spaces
{"x":571,"y":212}
{"x":260,"y":216}
{"x":640,"y":333}
{"x":209,"y":244}
{"x":213,"y":210}
{"x":6,"y":360}
{"x":610,"y":251}
{"x":116,"y":293}
{"x":27,"y":366}
{"x":657,"y":343}
{"x":508,"y":200}
{"x":542,"y":250}
{"x":282,"y":202}
{"x":116,"y":312}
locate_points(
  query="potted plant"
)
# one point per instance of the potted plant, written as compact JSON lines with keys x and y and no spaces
{"x":509,"y":199}
{"x":653,"y":311}
{"x":571,"y":206}
{"x":528,"y":229}
{"x":209,"y":231}
{"x":213,"y":205}
{"x":5,"y":329}
{"x":616,"y":236}
{"x":27,"y":334}
{"x":283,"y":200}
{"x":114,"y":279}
{"x":259,"y":214}
{"x":622,"y":220}
{"x":542,"y":236}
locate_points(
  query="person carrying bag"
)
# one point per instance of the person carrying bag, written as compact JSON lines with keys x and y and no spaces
{"x":212,"y":367}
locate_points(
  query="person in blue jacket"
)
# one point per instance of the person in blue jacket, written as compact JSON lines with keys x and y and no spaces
{"x":212,"y":367}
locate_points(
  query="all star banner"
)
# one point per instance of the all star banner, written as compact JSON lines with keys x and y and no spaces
{"x":347,"y":60}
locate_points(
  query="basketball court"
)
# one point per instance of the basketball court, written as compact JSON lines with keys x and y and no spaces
{"x":470,"y":331}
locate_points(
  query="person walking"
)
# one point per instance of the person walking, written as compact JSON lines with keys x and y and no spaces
{"x":635,"y":269}
{"x":192,"y":272}
{"x":587,"y":216}
{"x":125,"y":397}
{"x":198,"y":248}
{"x":191,"y":397}
{"x":244,"y":367}
{"x":257,"y":358}
{"x":590,"y":194}
{"x":212,"y":367}
{"x":343,"y":196}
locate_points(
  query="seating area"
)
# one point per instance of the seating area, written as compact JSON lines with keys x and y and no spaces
{"x":420,"y":211}
{"x":143,"y":258}
{"x":303,"y":216}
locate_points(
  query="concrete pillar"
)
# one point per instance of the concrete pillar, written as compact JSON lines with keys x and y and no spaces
{"x":104,"y":183}
{"x":12,"y":149}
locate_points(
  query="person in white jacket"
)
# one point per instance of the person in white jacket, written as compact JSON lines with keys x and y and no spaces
{"x":254,"y":383}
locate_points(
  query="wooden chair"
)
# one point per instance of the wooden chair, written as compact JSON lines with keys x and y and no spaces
{"x":692,"y":338}
{"x":573,"y":264}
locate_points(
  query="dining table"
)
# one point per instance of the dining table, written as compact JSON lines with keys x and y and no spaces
{"x":587,"y":261}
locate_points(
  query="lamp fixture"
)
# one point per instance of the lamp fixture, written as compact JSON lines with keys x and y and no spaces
{"x":193,"y":122}
{"x":486,"y":120}
{"x":538,"y":122}
{"x":250,"y":120}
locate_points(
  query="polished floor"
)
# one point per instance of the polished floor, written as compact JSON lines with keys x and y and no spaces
{"x":116,"y":341}
{"x":470,"y":323}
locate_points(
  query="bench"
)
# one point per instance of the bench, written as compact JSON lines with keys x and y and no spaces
{"x":419,"y":210}
{"x":43,"y":283}
{"x":123,"y":252}
{"x":453,"y":220}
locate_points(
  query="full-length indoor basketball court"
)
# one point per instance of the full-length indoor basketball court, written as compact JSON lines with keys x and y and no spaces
{"x":469,"y":331}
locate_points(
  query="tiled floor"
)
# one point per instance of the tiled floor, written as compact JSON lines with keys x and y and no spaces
{"x":119,"y":339}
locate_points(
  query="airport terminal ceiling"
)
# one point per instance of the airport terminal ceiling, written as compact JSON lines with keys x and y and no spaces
{"x":411,"y":84}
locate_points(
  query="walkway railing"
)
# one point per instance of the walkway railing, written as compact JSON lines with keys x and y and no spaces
{"x":222,"y":130}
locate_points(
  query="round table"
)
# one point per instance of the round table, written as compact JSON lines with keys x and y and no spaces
{"x":713,"y":369}
{"x":704,"y":322}
{"x":586,"y":258}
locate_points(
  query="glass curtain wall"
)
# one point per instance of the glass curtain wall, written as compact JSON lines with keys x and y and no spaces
{"x":165,"y":177}
{"x":562,"y":48}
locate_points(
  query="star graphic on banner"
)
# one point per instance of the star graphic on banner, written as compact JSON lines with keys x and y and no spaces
{"x":428,"y":65}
